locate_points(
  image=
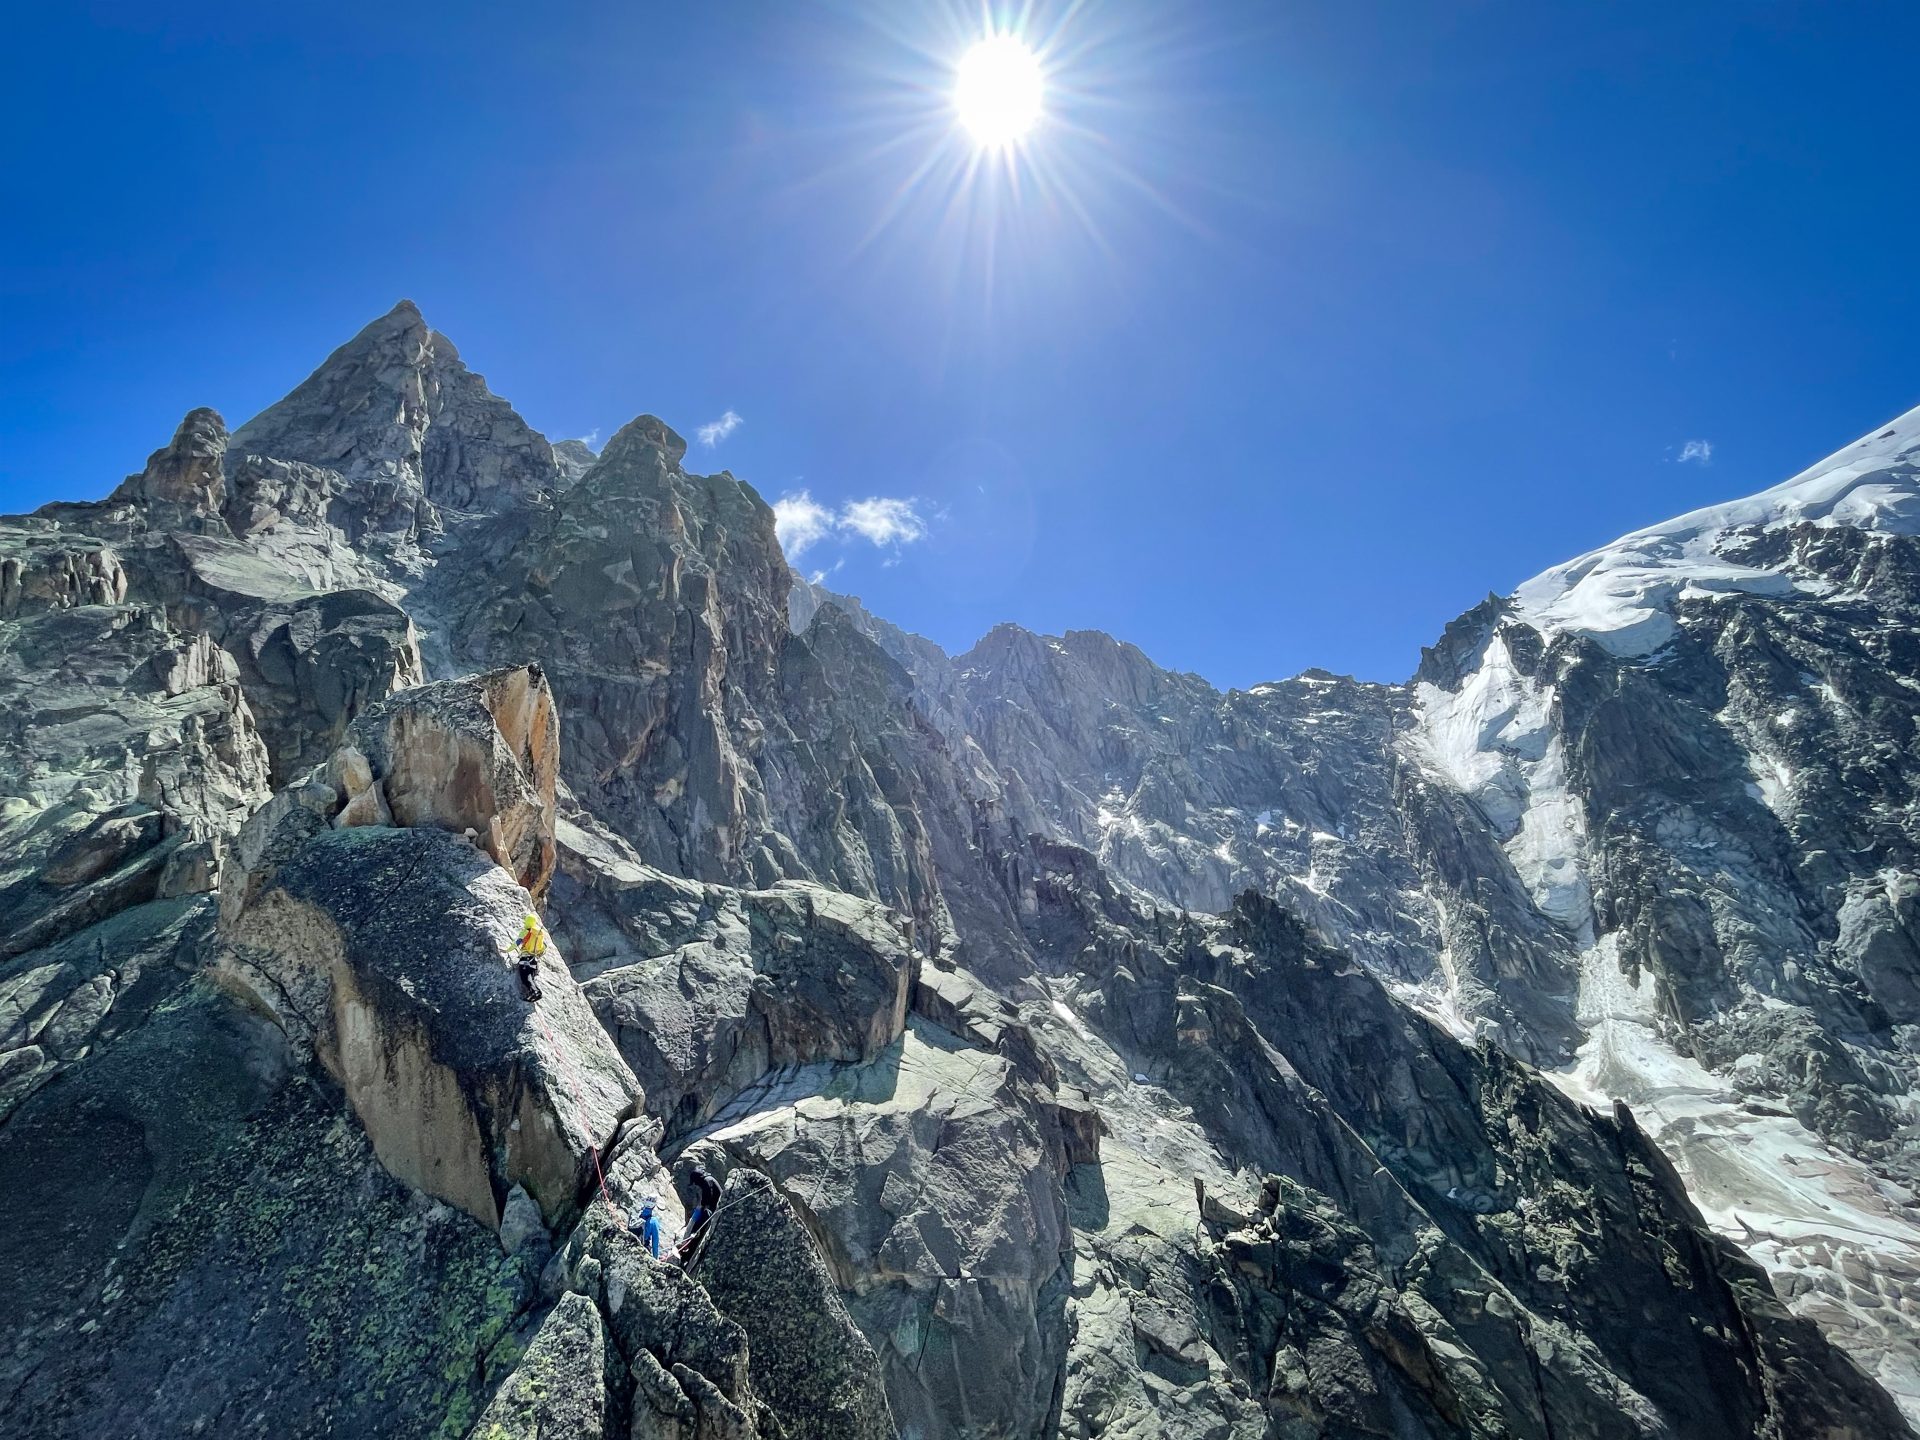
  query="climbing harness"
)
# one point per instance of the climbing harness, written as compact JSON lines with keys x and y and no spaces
{"x":528,"y":969}
{"x":533,"y":945}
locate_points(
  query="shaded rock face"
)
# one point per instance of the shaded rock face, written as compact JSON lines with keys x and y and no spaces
{"x":780,"y":977}
{"x":715,"y":742}
{"x":1497,"y":1212}
{"x":899,"y":944}
{"x":566,"y":1385}
{"x":201,"y":1240}
{"x":926,"y":1177}
{"x":313,"y":664}
{"x":806,"y":1359}
{"x":128,"y":752}
{"x":1302,"y":788}
{"x":662,"y":671}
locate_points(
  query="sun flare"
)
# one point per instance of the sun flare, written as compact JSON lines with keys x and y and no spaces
{"x":997,"y":92}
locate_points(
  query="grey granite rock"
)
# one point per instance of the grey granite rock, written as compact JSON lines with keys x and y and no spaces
{"x":808,"y":1361}
{"x":396,"y":405}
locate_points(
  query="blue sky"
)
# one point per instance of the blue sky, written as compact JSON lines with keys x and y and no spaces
{"x":1297,"y":328}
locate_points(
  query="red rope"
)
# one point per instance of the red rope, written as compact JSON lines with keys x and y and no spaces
{"x":586,"y":1126}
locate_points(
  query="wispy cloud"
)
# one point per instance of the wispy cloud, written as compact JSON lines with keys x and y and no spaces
{"x":801,"y":522}
{"x":591,"y":439}
{"x":1698,"y":452}
{"x":886,"y":521}
{"x":714,"y":431}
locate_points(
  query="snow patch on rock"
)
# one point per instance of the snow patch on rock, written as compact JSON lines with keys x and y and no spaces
{"x":1494,"y":741}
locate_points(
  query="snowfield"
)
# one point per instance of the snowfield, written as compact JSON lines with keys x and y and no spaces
{"x":1622,"y":594}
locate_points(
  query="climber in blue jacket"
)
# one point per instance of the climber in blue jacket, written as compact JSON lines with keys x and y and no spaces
{"x":650,"y":1227}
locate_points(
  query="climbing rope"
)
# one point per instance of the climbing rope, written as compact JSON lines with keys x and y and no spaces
{"x":619,"y":1218}
{"x":586,"y":1127}
{"x":572,"y":1078}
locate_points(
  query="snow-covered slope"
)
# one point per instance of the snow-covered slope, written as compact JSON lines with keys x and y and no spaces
{"x":1622,"y":594}
{"x":1695,"y":750}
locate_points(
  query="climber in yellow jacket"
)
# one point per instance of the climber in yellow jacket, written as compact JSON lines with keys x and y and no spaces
{"x":533,"y":944}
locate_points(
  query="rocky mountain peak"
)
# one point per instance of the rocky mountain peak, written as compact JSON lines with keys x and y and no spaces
{"x":924,"y":963}
{"x":395,"y":403}
{"x":186,"y":472}
{"x":574,"y":457}
{"x":1460,"y":644}
{"x":640,"y":440}
{"x":1625,"y":595}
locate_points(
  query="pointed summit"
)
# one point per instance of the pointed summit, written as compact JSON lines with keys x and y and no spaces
{"x":574,"y":457}
{"x":395,"y":403}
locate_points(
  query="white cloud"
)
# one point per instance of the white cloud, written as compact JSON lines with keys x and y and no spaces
{"x":714,"y":431}
{"x":883,"y":520}
{"x":592,"y":438}
{"x":1698,"y":451}
{"x":801,"y":521}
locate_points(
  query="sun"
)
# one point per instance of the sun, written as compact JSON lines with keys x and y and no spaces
{"x":997,"y":90}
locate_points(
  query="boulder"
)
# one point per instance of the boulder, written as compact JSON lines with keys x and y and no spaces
{"x":808,"y":1361}
{"x":521,"y":1227}
{"x":777,"y":977}
{"x":480,"y":753}
{"x":382,"y":940}
{"x":388,"y":953}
